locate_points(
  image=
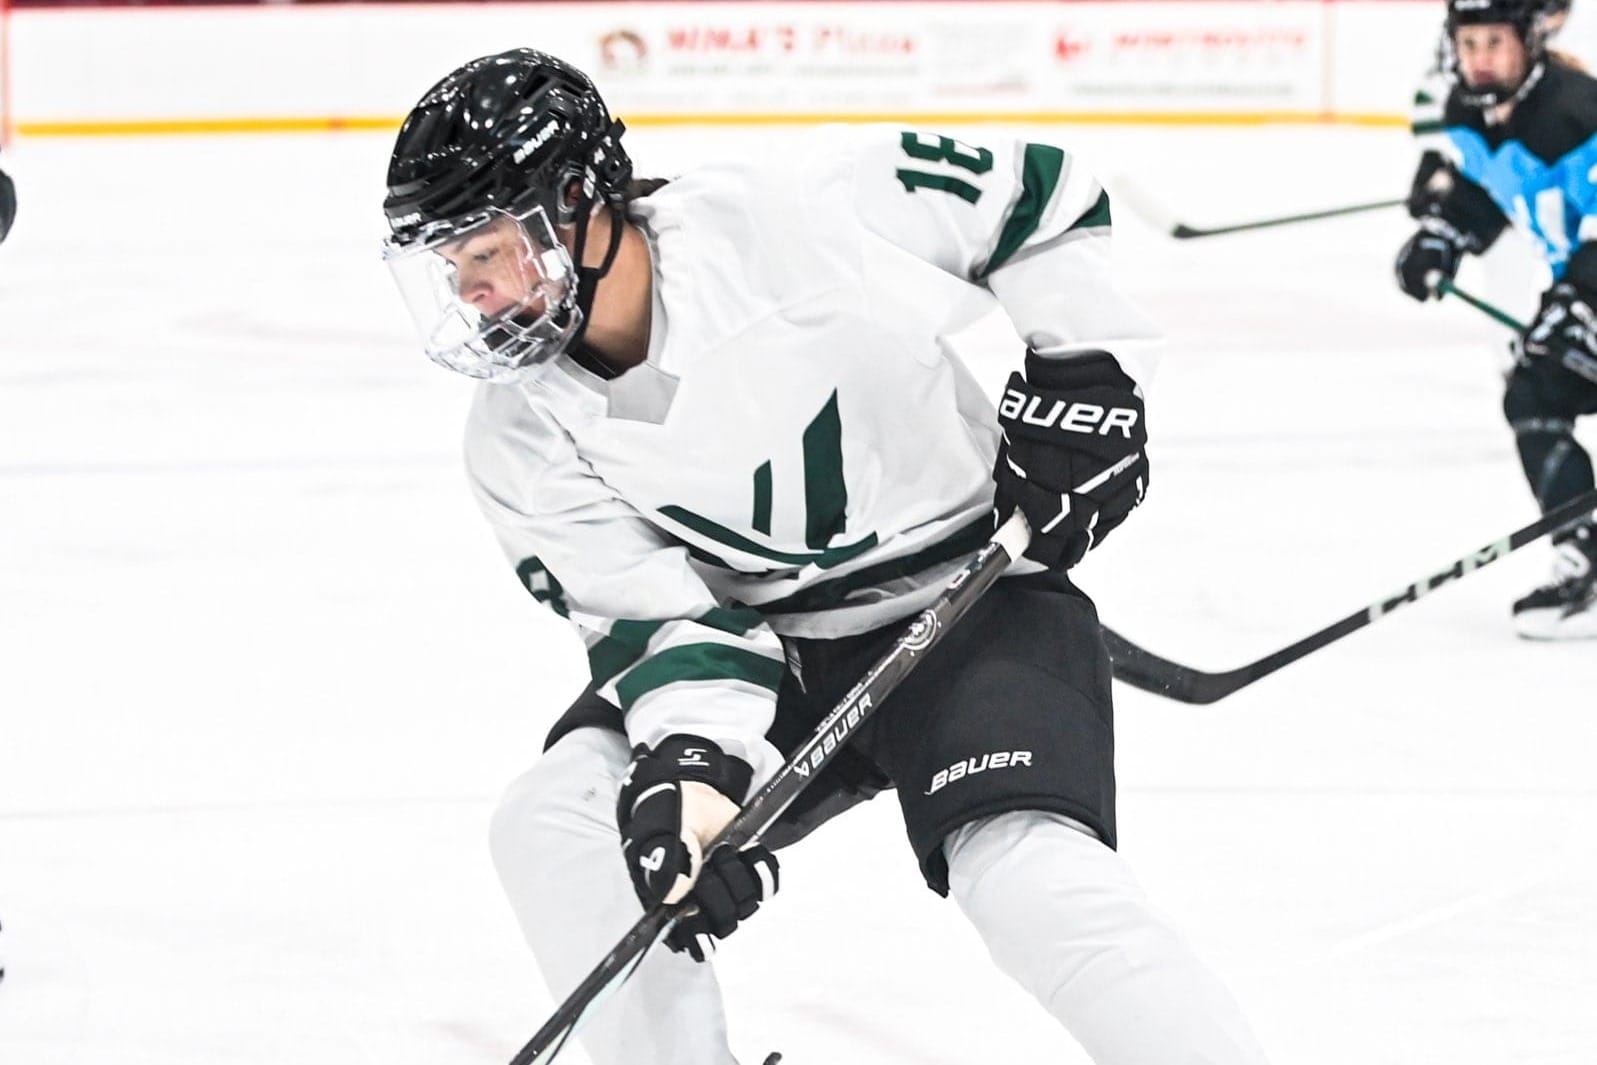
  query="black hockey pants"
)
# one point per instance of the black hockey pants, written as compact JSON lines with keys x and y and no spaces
{"x":1542,"y":402}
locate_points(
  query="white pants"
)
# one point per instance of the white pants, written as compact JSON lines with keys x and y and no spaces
{"x":1060,"y":913}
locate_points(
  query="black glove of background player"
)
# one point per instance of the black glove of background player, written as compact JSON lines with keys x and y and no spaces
{"x":1431,"y":254}
{"x":1565,"y":330}
{"x":674,"y":800}
{"x":1565,"y":320}
{"x":1074,"y":456}
{"x":1435,"y":178}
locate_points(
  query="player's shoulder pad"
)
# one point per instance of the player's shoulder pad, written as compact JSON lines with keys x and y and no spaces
{"x":1559,"y":115}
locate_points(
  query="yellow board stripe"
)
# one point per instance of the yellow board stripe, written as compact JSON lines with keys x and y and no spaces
{"x":145,"y":126}
{"x":152,"y":126}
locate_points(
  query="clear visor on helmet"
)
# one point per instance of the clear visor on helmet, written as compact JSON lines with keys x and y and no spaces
{"x":490,"y":296}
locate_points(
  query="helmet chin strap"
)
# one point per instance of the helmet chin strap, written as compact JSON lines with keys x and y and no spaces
{"x":588,"y":278}
{"x":1490,"y":99}
{"x":1532,"y":77}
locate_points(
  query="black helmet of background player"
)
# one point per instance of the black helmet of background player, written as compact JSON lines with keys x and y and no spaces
{"x":493,"y":180}
{"x":1526,"y":19}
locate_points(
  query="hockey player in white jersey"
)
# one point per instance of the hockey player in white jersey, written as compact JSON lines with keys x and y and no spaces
{"x":719,"y":431}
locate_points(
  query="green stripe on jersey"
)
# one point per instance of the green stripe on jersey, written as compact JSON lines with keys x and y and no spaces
{"x":737,"y":620}
{"x":1420,"y":129}
{"x":699,"y":554}
{"x":825,"y":494}
{"x":834,"y":556}
{"x":614,"y":654}
{"x":828,"y":594}
{"x":698,"y":661}
{"x":1039,"y":175}
{"x":762,"y":499}
{"x":1097,"y":214}
{"x":625,"y":644}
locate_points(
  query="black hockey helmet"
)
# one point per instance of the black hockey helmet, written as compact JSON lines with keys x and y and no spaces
{"x":1527,"y":19}
{"x":1520,"y":14}
{"x":510,"y":131}
{"x":518,"y":137}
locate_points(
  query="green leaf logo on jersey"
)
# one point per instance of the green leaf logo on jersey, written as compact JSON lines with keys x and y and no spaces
{"x":825,"y":504}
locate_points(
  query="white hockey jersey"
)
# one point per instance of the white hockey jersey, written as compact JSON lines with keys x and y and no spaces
{"x":800,"y":454}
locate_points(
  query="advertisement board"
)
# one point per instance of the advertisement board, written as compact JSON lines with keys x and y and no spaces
{"x":285,"y":66}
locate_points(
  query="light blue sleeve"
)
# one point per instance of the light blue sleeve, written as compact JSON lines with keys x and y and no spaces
{"x":1578,"y":195}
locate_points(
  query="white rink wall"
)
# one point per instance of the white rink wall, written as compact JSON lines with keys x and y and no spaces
{"x":286,"y":66}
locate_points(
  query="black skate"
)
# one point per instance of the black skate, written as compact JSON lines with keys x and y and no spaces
{"x":1565,"y":608}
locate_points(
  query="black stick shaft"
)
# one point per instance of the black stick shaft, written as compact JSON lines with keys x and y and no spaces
{"x":1185,"y":232}
{"x":1573,"y":359}
{"x":1150,"y":672}
{"x":757,"y":815}
{"x":1495,"y":313}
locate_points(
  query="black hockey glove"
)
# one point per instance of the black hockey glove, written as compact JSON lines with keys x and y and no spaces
{"x":1431,"y":255}
{"x":1565,"y":330}
{"x":674,"y":800}
{"x":1074,"y":455}
{"x":1433,"y":181}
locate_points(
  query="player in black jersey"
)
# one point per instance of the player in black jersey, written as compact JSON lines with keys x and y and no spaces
{"x":1519,"y":133}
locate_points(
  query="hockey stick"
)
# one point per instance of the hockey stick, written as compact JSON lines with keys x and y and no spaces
{"x":1575,"y":361}
{"x":1148,"y":671}
{"x":1446,"y":287}
{"x":1145,"y":206}
{"x":757,"y":815}
{"x":1186,"y":232}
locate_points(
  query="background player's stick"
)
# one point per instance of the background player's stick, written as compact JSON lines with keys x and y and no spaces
{"x":757,"y":815}
{"x":1144,"y":205}
{"x":1148,"y":671}
{"x":1446,"y":287}
{"x":1574,"y":360}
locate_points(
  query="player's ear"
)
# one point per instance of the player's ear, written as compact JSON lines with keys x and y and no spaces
{"x":573,"y":193}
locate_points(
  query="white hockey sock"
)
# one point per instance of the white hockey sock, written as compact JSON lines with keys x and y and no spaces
{"x":1062,"y":915}
{"x":558,"y":851}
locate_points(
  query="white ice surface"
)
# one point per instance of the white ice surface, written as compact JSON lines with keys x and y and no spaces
{"x":263,"y":671}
